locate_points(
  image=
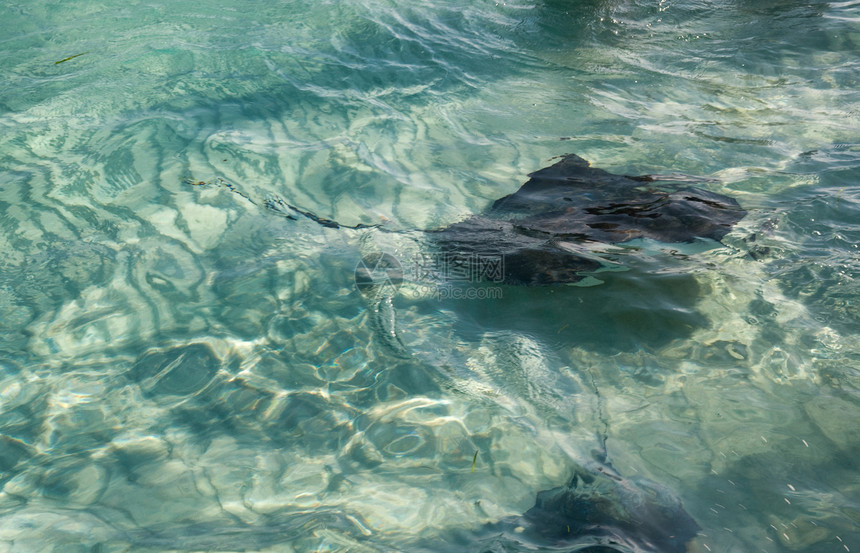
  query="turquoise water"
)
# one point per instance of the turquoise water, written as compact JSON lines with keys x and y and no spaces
{"x":182,"y":369}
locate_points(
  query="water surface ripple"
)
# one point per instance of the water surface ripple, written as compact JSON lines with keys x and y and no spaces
{"x":183,"y":369}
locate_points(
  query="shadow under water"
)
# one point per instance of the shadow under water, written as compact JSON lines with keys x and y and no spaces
{"x":628,"y":311}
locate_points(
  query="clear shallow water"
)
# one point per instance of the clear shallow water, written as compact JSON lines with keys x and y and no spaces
{"x":185,"y":370}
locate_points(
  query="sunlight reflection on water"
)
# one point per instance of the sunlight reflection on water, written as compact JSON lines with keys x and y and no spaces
{"x":182,"y":368}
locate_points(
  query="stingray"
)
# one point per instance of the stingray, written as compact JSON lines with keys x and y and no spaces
{"x":563,"y":220}
{"x":560,"y":224}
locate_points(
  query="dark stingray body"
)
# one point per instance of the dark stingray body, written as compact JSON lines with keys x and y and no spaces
{"x":542,"y":231}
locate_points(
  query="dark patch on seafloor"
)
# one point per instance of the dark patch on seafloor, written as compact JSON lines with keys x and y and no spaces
{"x":599,"y":511}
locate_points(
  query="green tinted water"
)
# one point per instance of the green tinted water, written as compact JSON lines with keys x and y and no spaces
{"x":183,"y":369}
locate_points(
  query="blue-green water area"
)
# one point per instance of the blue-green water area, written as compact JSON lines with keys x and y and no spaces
{"x":188,"y":365}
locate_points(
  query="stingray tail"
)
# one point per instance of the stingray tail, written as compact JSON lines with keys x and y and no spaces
{"x":278,"y":205}
{"x":283,"y":208}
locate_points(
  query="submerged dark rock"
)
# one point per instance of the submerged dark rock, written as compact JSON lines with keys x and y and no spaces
{"x":548,"y":231}
{"x":599,"y":511}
